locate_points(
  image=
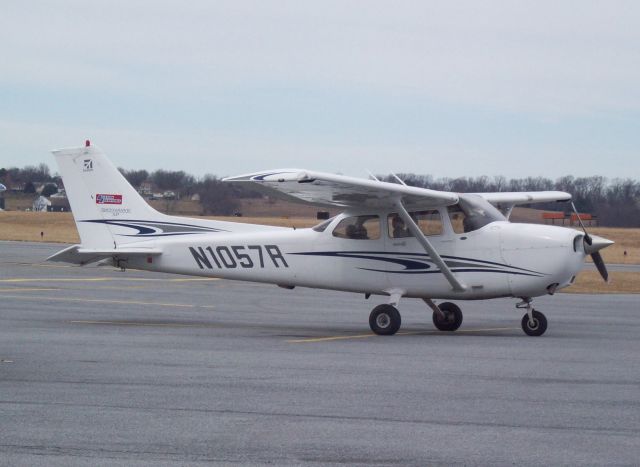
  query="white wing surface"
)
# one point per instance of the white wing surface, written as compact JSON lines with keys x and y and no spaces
{"x":330,"y":190}
{"x":524,"y":197}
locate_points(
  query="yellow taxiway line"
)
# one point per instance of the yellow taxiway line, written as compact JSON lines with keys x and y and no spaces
{"x":97,"y":300}
{"x":133,"y":323}
{"x":407,"y":333}
{"x":331,"y":338}
{"x":105,"y":279}
{"x":58,"y":289}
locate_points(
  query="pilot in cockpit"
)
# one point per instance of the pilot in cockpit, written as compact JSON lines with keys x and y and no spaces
{"x":399,"y":228}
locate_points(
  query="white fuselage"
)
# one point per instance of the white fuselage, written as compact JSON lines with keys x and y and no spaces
{"x":500,"y":259}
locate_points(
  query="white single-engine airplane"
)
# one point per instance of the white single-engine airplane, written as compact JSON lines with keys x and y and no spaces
{"x":391,"y":240}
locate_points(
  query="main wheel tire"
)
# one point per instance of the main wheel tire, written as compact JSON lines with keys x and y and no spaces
{"x":384,"y":320}
{"x":537,"y":327}
{"x":452,"y":317}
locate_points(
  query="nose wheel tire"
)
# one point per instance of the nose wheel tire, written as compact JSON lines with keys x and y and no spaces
{"x":535,"y":326}
{"x":384,"y":320}
{"x":452,"y":317}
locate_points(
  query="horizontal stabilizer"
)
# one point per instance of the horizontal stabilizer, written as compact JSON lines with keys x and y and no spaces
{"x":77,"y":255}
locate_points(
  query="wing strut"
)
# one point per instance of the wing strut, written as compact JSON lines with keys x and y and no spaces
{"x":433,"y":254}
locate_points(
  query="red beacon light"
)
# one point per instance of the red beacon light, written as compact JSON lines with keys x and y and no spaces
{"x":87,"y":143}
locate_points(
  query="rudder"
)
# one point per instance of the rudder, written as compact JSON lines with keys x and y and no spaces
{"x":99,"y":195}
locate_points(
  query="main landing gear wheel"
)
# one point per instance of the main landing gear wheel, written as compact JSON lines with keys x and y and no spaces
{"x":452,"y":317}
{"x":384,"y":320}
{"x":535,"y":326}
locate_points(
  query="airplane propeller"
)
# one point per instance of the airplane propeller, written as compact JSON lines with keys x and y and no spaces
{"x":592,"y":247}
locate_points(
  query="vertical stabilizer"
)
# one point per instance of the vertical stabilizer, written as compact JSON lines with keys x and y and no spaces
{"x":100,"y":196}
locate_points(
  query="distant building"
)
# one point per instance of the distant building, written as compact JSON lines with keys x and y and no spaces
{"x":41,"y":204}
{"x":59,"y":203}
{"x":17,"y":187}
{"x":40,"y":186}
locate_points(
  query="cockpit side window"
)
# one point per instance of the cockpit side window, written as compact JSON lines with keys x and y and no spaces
{"x":457,"y":218}
{"x":472,"y":213}
{"x":358,"y":228}
{"x":429,"y":222}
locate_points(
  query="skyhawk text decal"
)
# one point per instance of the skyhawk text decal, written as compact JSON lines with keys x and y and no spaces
{"x":108,"y":199}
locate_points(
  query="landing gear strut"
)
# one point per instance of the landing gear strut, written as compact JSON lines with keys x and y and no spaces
{"x":384,"y":320}
{"x":534,"y":323}
{"x":447,"y":316}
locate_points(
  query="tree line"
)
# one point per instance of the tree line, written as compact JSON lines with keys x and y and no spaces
{"x":27,"y":176}
{"x":216,"y":197}
{"x":616,"y":202}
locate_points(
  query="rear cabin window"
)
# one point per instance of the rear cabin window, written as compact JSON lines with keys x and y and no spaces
{"x":430,"y":223}
{"x":358,"y":228}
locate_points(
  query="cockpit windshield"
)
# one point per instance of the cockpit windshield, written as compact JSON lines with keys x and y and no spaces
{"x":472,"y":213}
{"x":321,"y":227}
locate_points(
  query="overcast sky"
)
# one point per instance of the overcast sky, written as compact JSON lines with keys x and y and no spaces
{"x":445,"y":88}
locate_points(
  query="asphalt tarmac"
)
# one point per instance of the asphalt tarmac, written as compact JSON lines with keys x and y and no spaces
{"x":102,"y":367}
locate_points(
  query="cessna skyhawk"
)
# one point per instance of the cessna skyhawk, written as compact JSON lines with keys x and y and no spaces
{"x":390,"y":240}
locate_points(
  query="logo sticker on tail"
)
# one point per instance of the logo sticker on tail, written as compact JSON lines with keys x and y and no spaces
{"x":108,"y":199}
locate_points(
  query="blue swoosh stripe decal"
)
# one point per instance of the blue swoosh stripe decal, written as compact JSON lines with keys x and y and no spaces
{"x":146,"y":228}
{"x":262,"y":177}
{"x":420,"y":263}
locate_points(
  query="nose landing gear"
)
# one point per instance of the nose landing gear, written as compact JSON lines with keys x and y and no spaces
{"x":534,"y":323}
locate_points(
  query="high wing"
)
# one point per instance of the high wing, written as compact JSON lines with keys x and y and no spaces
{"x":524,"y":197}
{"x":330,"y":190}
{"x":506,"y":200}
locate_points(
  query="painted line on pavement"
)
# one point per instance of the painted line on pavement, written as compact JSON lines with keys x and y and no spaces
{"x":133,"y":323}
{"x":117,"y":302}
{"x":104,"y":279}
{"x":407,"y":333}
